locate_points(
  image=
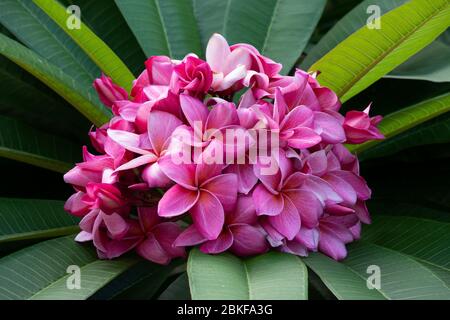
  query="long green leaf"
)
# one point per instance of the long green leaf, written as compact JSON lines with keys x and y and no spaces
{"x":23,"y":143}
{"x":342,"y":281}
{"x":431,"y":64}
{"x":369,"y":54}
{"x":177,"y":290}
{"x":104,"y":18}
{"x":94,"y":275}
{"x":84,"y":101}
{"x":425,"y":240}
{"x":432,"y":132}
{"x":91,"y":44}
{"x":401,"y":277}
{"x":162,"y":27}
{"x":33,"y":28}
{"x":40,"y":271}
{"x":280,"y":29}
{"x":407,"y":118}
{"x":351,"y":22}
{"x":23,"y":219}
{"x":270,"y":276}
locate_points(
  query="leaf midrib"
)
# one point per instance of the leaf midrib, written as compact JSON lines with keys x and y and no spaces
{"x":60,"y":231}
{"x":364,"y":71}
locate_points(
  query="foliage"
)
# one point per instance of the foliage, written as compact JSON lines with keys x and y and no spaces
{"x":47,"y":103}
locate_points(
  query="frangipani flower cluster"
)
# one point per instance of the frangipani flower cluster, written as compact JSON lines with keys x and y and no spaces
{"x":184,"y":162}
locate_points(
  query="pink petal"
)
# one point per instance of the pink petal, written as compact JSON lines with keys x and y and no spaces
{"x":150,"y":249}
{"x":248,"y":240}
{"x":357,"y":182}
{"x":303,"y":138}
{"x":287,"y":222}
{"x":166,"y":233}
{"x":116,"y":225}
{"x":208,"y":215}
{"x":217,"y":52}
{"x":137,"y":162}
{"x":362,"y":212}
{"x":221,"y":115}
{"x":176,"y":201}
{"x":329,"y":128}
{"x":194,"y":110}
{"x":342,"y":187}
{"x":189,"y":237}
{"x":224,"y":187}
{"x":160,"y":127}
{"x":308,"y":206}
{"x":332,"y":246}
{"x":127,"y":140}
{"x":238,"y":57}
{"x":244,"y":212}
{"x":246,"y":178}
{"x":182,"y":174}
{"x":155,"y":177}
{"x":148,"y":217}
{"x":300,"y":116}
{"x":267,"y":203}
{"x":221,"y":244}
{"x":231,"y":78}
{"x":83,"y":236}
{"x":308,"y":237}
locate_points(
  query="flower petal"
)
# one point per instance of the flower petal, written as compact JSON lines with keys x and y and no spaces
{"x":221,"y":244}
{"x":267,"y":203}
{"x":176,"y":201}
{"x":208,"y":215}
{"x":288,"y":221}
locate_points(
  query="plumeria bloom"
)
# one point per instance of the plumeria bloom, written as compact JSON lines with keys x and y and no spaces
{"x":157,"y":243}
{"x":109,"y":92}
{"x":167,"y":176}
{"x":202,"y":190}
{"x":193,"y":75}
{"x":241,"y":233}
{"x":359,"y":127}
{"x":290,"y":197}
{"x":228,"y":66}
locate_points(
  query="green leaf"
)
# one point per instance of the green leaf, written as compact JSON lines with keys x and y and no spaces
{"x":351,"y":22}
{"x":34,"y":29}
{"x":84,"y":101}
{"x":145,"y":277}
{"x":402,"y":120}
{"x":177,"y":290}
{"x":431,"y":63}
{"x":423,"y":239}
{"x":401,"y":276}
{"x":279,"y":29}
{"x":342,"y":281}
{"x":432,"y":132}
{"x":147,"y":285}
{"x":104,"y":18}
{"x":23,"y":219}
{"x":23,"y":143}
{"x":369,"y":54}
{"x":90,"y":43}
{"x":272,"y":275}
{"x":94,"y":275}
{"x":40,"y":271}
{"x":162,"y":27}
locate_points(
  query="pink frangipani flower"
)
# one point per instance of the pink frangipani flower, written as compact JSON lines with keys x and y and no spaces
{"x":168,"y":175}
